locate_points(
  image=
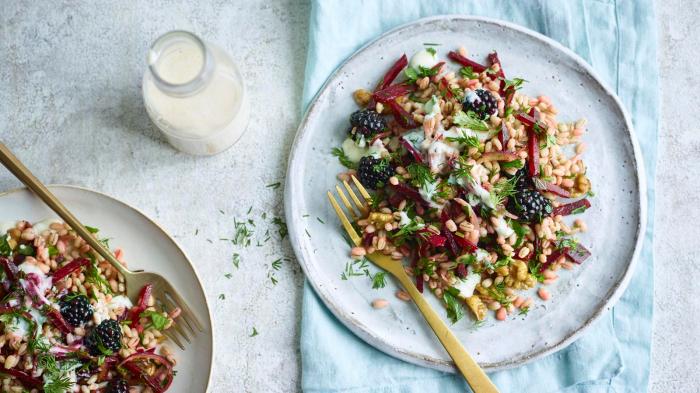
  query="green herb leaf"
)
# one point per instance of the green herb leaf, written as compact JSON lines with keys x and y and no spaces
{"x":5,"y":249}
{"x":516,"y":83}
{"x":412,"y":74}
{"x":379,"y":280}
{"x":26,"y":250}
{"x":274,"y":186}
{"x":281,"y":227}
{"x":579,"y":210}
{"x":92,"y":229}
{"x":469,"y":140}
{"x":254,"y":333}
{"x":470,"y":120}
{"x":468,"y":73}
{"x":243,"y":233}
{"x":344,"y":160}
{"x":455,"y":311}
{"x":512,"y":164}
{"x":432,"y":51}
{"x":420,"y":174}
{"x":158,"y":320}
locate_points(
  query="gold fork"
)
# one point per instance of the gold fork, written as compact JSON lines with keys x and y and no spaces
{"x":475,"y":376}
{"x":166,"y":296}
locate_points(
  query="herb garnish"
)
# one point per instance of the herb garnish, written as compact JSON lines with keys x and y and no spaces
{"x":274,"y":186}
{"x":344,"y":160}
{"x":468,"y":73}
{"x":412,"y":75}
{"x":281,"y":227}
{"x":379,"y":280}
{"x":243,"y":234}
{"x":470,"y":120}
{"x":254,"y":333}
{"x":516,"y":83}
{"x":455,"y":311}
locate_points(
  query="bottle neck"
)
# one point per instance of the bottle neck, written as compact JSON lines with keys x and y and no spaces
{"x":180,"y":63}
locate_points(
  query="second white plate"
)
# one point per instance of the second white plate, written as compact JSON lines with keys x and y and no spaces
{"x":146,"y":246}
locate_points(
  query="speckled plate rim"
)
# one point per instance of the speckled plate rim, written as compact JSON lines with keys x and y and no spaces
{"x":294,"y":187}
{"x":174,"y":243}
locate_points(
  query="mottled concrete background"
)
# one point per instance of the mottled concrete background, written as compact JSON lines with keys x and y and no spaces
{"x":70,"y":107}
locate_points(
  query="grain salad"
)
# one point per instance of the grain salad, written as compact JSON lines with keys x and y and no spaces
{"x":472,"y":182}
{"x":66,"y":322}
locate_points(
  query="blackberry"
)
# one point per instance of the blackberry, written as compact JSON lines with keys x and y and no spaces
{"x":524,"y":181}
{"x":105,"y":338}
{"x":374,"y":173}
{"x":76,"y":309}
{"x":367,"y":123}
{"x":529,"y":205}
{"x":117,"y":386}
{"x":481,"y":102}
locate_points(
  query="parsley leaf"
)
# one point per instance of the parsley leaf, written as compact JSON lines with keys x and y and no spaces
{"x":432,"y":51}
{"x":516,"y":83}
{"x":92,"y":229}
{"x":158,"y":320}
{"x":412,"y":74}
{"x":468,"y":72}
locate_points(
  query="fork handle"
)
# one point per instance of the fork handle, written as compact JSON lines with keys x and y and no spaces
{"x":14,"y":165}
{"x":475,"y":376}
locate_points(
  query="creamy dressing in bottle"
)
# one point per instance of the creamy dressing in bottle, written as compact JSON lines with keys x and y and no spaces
{"x":195,"y":94}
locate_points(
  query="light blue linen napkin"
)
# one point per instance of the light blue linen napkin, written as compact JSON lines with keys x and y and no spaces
{"x":618,"y":38}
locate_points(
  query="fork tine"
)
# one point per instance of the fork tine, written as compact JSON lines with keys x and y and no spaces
{"x":170,"y":304}
{"x":344,"y":220}
{"x":186,"y":310}
{"x":347,"y":204}
{"x":180,"y":330}
{"x":364,"y":209}
{"x":173,"y":338}
{"x":362,"y":189}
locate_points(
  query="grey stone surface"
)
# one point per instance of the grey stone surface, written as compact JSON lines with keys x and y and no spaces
{"x":70,"y":107}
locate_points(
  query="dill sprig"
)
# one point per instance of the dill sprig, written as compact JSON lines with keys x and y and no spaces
{"x":344,"y":160}
{"x":379,"y":280}
{"x":470,"y":120}
{"x":464,"y":139}
{"x":502,"y":190}
{"x":420,"y":174}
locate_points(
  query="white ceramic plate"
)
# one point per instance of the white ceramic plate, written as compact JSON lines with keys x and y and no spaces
{"x":579,"y":297}
{"x":146,"y":246}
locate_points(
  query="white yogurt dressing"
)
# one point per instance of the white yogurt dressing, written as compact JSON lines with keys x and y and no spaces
{"x":467,"y":285}
{"x":18,"y":327}
{"x":502,"y":228}
{"x":102,"y":308}
{"x":45,"y":282}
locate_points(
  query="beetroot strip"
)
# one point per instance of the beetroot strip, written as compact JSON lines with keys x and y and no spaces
{"x":394,"y":71}
{"x":565,"y":210}
{"x":476,"y":67}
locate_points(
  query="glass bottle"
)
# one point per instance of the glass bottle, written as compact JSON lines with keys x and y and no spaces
{"x":195,"y":94}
